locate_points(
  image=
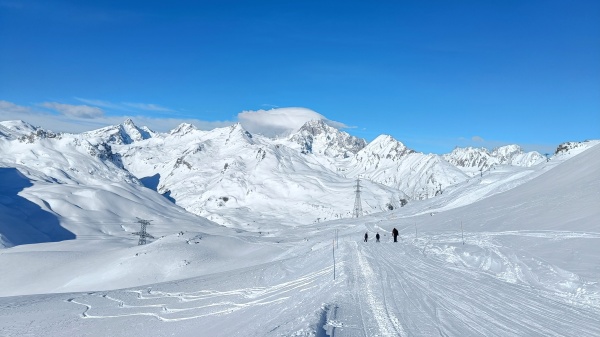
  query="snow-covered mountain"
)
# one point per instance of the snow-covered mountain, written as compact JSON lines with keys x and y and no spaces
{"x":229,"y":175}
{"x":319,"y":138}
{"x":474,"y":160}
{"x":389,"y":162}
{"x":57,"y":187}
{"x":125,"y":133}
{"x":223,"y":172}
{"x":16,"y":128}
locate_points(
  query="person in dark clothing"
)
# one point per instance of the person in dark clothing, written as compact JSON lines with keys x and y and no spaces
{"x":395,"y":234}
{"x":377,"y":237}
{"x":366,"y":236}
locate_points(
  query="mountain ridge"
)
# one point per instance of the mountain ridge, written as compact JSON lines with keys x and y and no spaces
{"x":218,"y":173}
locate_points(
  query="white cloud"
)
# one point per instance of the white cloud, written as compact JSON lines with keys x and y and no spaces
{"x":125,"y":106}
{"x":280,"y":121}
{"x":77,"y":123}
{"x":148,"y":107}
{"x":11,"y":109}
{"x":168,"y":124}
{"x":80,"y":118}
{"x":101,"y":103}
{"x":78,"y":111}
{"x":270,"y":106}
{"x":477,"y":139}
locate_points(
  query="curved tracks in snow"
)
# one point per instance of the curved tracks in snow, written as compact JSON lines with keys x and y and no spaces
{"x":181,"y":306}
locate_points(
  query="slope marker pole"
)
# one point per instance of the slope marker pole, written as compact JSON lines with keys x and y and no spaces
{"x":358,"y":212}
{"x":333,"y":245}
{"x":416,"y":235}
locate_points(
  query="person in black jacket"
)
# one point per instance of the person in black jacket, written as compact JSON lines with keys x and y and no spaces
{"x":366,"y":236}
{"x":395,"y":234}
{"x":377,"y":237}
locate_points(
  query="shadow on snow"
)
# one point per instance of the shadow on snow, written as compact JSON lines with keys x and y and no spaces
{"x":152,"y":183}
{"x":22,"y":221}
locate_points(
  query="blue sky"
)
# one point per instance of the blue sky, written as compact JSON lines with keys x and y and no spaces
{"x":433,"y":74}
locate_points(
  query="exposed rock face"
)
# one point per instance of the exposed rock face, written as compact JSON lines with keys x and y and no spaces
{"x":126,"y":133}
{"x":319,"y":138}
{"x":480,"y":159}
{"x":569,"y":146}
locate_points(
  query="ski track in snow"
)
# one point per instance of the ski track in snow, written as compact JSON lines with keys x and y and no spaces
{"x":556,"y":235}
{"x":181,"y":306}
{"x":409,"y":293}
{"x":486,"y":254}
{"x":375,"y":297}
{"x":409,"y":288}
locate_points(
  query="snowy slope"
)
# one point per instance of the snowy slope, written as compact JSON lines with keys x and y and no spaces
{"x":527,"y":267}
{"x":59,"y":187}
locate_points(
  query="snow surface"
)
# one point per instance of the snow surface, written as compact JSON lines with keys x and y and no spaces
{"x":512,"y":252}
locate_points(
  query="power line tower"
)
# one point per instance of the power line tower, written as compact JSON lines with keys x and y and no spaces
{"x":357,"y":203}
{"x":142,"y":233}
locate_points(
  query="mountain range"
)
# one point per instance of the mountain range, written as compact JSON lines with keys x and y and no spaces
{"x":243,"y":180}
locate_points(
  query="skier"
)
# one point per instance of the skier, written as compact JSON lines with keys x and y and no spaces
{"x":366,"y":236}
{"x":377,"y":237}
{"x":395,"y":234}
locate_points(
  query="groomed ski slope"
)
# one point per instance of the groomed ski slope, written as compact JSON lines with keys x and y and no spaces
{"x":381,"y":289}
{"x":526,"y":265}
{"x":403,"y":292}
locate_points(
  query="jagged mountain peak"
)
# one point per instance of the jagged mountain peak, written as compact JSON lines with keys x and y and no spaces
{"x":386,"y":146}
{"x":468,"y":149}
{"x":237,"y":127}
{"x":481,"y":159}
{"x":136,"y":133}
{"x":183,"y":129}
{"x":470,"y":158}
{"x":316,"y":127}
{"x":237,"y":130}
{"x":129,"y":122}
{"x":382,"y":141}
{"x":316,"y":136}
{"x":507,"y":150}
{"x":125,"y":133}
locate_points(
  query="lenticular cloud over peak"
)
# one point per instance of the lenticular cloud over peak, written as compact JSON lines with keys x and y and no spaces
{"x":279,"y":121}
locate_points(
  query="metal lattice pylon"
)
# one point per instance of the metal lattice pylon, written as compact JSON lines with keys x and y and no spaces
{"x":357,"y":203}
{"x":142,"y":233}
